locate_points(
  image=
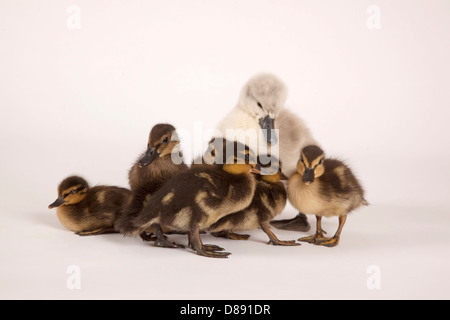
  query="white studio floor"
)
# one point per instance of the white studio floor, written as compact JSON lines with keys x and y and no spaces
{"x":386,"y":252}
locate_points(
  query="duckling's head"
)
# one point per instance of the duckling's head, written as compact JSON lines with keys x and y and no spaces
{"x":161,"y":141}
{"x":310,"y":165}
{"x":262,"y":98}
{"x":70,"y":191}
{"x":234,"y":157}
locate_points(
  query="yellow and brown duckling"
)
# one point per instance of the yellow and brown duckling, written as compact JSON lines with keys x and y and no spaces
{"x":89,"y":211}
{"x":198,"y":197}
{"x":268,"y":201}
{"x":325,"y":188}
{"x":156,"y":165}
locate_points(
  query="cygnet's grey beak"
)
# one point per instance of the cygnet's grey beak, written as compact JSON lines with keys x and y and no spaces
{"x":268,"y":125}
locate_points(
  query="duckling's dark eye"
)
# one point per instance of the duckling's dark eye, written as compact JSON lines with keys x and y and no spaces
{"x":73,"y":191}
{"x":321,"y":160}
{"x":165,"y":140}
{"x":247,"y":157}
{"x":260,"y":105}
{"x":301,"y":159}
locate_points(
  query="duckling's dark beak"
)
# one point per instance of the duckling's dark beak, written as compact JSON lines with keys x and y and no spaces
{"x":268,"y":125}
{"x":256,"y":169}
{"x":308,"y":176}
{"x":149,"y":156}
{"x":56,"y":203}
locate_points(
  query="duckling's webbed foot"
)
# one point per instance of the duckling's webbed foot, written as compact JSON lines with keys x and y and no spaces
{"x":298,"y":223}
{"x":328,"y":242}
{"x":212,"y":247}
{"x":161,"y":239}
{"x":147,"y":236}
{"x":318,"y":236}
{"x":273,"y":238}
{"x":230,"y":235}
{"x":207,"y":247}
{"x":314,"y":239}
{"x":213,"y":253}
{"x":207,"y":250}
{"x":319,"y":239}
{"x":334,"y":241}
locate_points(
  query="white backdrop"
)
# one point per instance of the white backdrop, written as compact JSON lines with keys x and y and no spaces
{"x":82,"y":83}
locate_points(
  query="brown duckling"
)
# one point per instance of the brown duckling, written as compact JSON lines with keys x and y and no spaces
{"x":268,"y":201}
{"x":89,"y":211}
{"x":151,"y":170}
{"x":325,"y":188}
{"x":198,"y":197}
{"x":163,"y":141}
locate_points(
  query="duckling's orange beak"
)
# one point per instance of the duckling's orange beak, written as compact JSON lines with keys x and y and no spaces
{"x":56,"y":203}
{"x":149,"y":156}
{"x":256,"y":169}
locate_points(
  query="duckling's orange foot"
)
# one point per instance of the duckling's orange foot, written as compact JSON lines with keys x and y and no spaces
{"x":314,"y":239}
{"x":328,"y":242}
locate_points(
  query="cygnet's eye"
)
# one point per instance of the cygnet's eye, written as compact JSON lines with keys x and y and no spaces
{"x":260,"y":105}
{"x":165,"y":140}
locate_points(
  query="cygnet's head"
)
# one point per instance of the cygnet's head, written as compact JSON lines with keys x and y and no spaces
{"x":262,"y":98}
